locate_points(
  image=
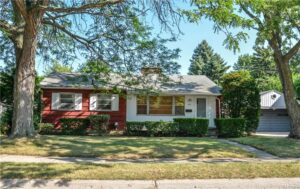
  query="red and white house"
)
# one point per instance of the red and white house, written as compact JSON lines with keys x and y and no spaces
{"x":69,"y":95}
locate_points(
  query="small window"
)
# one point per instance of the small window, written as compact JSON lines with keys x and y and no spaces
{"x":141,"y":105}
{"x":179,"y":105}
{"x":104,"y":102}
{"x":66,"y":101}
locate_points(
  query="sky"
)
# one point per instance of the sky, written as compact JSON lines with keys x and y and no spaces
{"x":194,"y":33}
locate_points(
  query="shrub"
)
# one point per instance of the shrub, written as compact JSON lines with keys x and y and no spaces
{"x":192,"y":126}
{"x":74,"y":126}
{"x":135,"y":128}
{"x":99,"y":123}
{"x":151,"y":128}
{"x":46,"y":129}
{"x":160,"y":128}
{"x":241,"y":98}
{"x":230,"y":127}
{"x":6,"y":121}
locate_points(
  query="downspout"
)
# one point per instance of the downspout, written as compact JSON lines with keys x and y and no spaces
{"x":219,"y":107}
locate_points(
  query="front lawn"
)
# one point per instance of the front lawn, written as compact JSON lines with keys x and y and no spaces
{"x":282,"y":147}
{"x":147,"y":171}
{"x":122,"y":147}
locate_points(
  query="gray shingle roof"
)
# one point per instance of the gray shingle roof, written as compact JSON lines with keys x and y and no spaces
{"x":176,"y":84}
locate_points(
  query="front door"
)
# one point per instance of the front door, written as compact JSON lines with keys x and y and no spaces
{"x":201,"y":107}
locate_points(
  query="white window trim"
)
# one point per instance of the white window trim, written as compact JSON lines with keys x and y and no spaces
{"x":59,"y":104}
{"x":104,"y":110}
{"x":114,"y":103}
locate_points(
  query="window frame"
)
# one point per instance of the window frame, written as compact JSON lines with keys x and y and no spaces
{"x":173,"y":106}
{"x":147,"y":105}
{"x":97,"y":100}
{"x":59,"y":102}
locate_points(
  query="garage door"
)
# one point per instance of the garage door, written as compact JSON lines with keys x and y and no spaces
{"x":274,"y":121}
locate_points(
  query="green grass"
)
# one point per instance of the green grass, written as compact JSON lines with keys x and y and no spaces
{"x":141,"y":171}
{"x":122,"y":147}
{"x":282,"y":147}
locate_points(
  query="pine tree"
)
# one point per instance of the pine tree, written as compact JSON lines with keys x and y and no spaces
{"x":205,"y":62}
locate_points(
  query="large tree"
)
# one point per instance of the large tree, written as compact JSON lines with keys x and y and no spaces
{"x":206,"y":62}
{"x":260,"y":64}
{"x":108,"y":30}
{"x":277,"y":24}
{"x":262,"y":67}
{"x":55,"y":66}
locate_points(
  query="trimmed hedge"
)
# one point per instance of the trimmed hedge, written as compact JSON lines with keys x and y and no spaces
{"x":180,"y":127}
{"x":192,"y":126}
{"x":46,"y":129}
{"x":230,"y":127}
{"x":151,"y":128}
{"x":99,"y":123}
{"x":74,"y":126}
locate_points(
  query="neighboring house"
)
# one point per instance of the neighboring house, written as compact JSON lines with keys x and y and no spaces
{"x":71,"y":95}
{"x":274,"y":116}
{"x":3,"y":108}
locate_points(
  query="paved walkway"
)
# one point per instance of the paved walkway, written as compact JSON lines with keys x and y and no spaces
{"x":53,"y":159}
{"x":259,"y":153}
{"x":272,"y":134}
{"x":259,"y":183}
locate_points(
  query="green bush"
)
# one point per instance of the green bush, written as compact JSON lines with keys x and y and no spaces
{"x":99,"y":123}
{"x":46,"y":129}
{"x":74,"y":126}
{"x":192,"y":126}
{"x":6,"y":121}
{"x":241,"y":98}
{"x":135,"y":128}
{"x":230,"y":127}
{"x":151,"y":128}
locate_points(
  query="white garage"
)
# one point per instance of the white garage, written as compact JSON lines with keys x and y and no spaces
{"x":274,"y":116}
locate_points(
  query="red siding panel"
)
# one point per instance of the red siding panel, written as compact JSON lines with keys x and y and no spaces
{"x":53,"y":116}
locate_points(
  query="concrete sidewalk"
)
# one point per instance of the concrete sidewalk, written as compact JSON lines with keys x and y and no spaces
{"x":259,"y":153}
{"x":259,"y":183}
{"x":54,"y":159}
{"x":272,"y":134}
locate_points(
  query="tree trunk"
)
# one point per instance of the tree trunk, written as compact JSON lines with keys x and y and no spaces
{"x":22,"y":123}
{"x":290,"y":96}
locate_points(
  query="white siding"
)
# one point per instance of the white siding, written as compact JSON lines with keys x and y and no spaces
{"x":190,"y":103}
{"x":266,"y":100}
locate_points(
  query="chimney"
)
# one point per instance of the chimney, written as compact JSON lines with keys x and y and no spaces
{"x":151,"y":71}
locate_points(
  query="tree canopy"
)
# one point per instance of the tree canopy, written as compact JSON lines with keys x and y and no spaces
{"x":277,"y":24}
{"x":206,"y":62}
{"x":111,"y":31}
{"x":55,"y":66}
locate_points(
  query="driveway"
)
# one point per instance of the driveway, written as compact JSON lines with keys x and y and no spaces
{"x":273,"y":134}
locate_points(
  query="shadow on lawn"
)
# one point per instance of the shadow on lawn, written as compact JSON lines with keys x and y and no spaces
{"x":39,"y":172}
{"x":134,"y":147}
